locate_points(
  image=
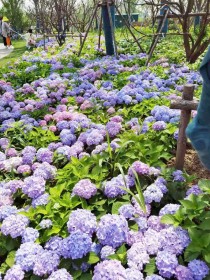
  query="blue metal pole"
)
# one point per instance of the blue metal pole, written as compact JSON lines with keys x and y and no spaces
{"x":109,"y":42}
{"x":162,"y":11}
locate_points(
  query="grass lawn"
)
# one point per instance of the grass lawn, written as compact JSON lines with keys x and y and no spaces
{"x":19,"y":49}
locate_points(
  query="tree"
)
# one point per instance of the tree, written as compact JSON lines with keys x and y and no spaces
{"x":13,"y":9}
{"x":194,"y":43}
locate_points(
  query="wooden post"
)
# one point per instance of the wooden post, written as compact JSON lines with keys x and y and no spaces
{"x":185,"y":118}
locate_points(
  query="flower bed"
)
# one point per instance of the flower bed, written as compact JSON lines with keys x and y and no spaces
{"x":85,"y":192}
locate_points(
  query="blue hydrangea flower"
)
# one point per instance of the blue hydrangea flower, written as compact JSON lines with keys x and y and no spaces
{"x":14,"y":273}
{"x":46,"y":263}
{"x":60,"y":274}
{"x":199,"y":269}
{"x":127,"y":211}
{"x":14,"y":225}
{"x":54,"y":244}
{"x":109,"y":270}
{"x":169,"y":209}
{"x":27,"y":254}
{"x":112,"y":230}
{"x":40,"y":200}
{"x":174,"y":240}
{"x":113,"y":188}
{"x":166,"y":263}
{"x":76,"y":246}
{"x":33,"y":186}
{"x":82,"y":220}
{"x":30,"y":235}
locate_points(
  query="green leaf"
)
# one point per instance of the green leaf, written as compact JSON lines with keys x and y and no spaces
{"x":168,"y":219}
{"x":205,"y":225}
{"x":10,"y":260}
{"x":86,"y":276}
{"x":76,"y":274}
{"x":207,"y":258}
{"x":122,"y":250}
{"x":116,"y":206}
{"x":93,"y":258}
{"x":34,"y":277}
{"x":150,"y":267}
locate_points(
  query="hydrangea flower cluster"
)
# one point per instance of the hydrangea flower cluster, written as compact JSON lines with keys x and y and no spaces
{"x":85,"y":189}
{"x":82,"y":220}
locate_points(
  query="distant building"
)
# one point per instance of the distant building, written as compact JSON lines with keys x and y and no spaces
{"x":119,"y":21}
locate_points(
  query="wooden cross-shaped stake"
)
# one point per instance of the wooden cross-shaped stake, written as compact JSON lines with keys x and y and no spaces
{"x":186,"y":105}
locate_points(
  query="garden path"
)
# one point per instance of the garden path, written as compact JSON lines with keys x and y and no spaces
{"x":4,"y":52}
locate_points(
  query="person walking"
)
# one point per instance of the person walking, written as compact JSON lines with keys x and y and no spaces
{"x":1,"y":25}
{"x":6,"y":33}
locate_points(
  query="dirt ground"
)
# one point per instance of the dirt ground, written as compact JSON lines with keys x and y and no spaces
{"x":193,"y":165}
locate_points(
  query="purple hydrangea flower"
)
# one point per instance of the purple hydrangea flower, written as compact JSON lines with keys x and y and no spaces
{"x":30,"y":235}
{"x":174,"y":240}
{"x":151,"y":241}
{"x":178,"y":176}
{"x":85,"y":188}
{"x":114,"y":187}
{"x":44,"y":155}
{"x":159,"y":125}
{"x":137,"y":256}
{"x":134,"y":237}
{"x":199,"y":269}
{"x":134,"y":274}
{"x":106,"y":251}
{"x":47,"y":223}
{"x":60,"y":274}
{"x":27,"y":254}
{"x":14,"y":185}
{"x":194,"y":190}
{"x":152,"y":193}
{"x":82,"y":220}
{"x":154,"y":223}
{"x":140,"y":168}
{"x":76,"y":246}
{"x":113,"y":128}
{"x":54,"y":244}
{"x":154,"y":277}
{"x":40,"y":200}
{"x":166,"y":263}
{"x":183,"y":273}
{"x":109,"y":270}
{"x":112,"y":230}
{"x":127,"y":211}
{"x":14,"y":273}
{"x":6,"y":211}
{"x":169,"y":209}
{"x":33,"y":186}
{"x":46,"y":263}
{"x":14,"y":225}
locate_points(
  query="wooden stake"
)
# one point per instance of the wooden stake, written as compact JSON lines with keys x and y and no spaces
{"x":185,"y":118}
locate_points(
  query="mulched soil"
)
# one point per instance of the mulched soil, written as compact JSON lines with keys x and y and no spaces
{"x":193,"y":166}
